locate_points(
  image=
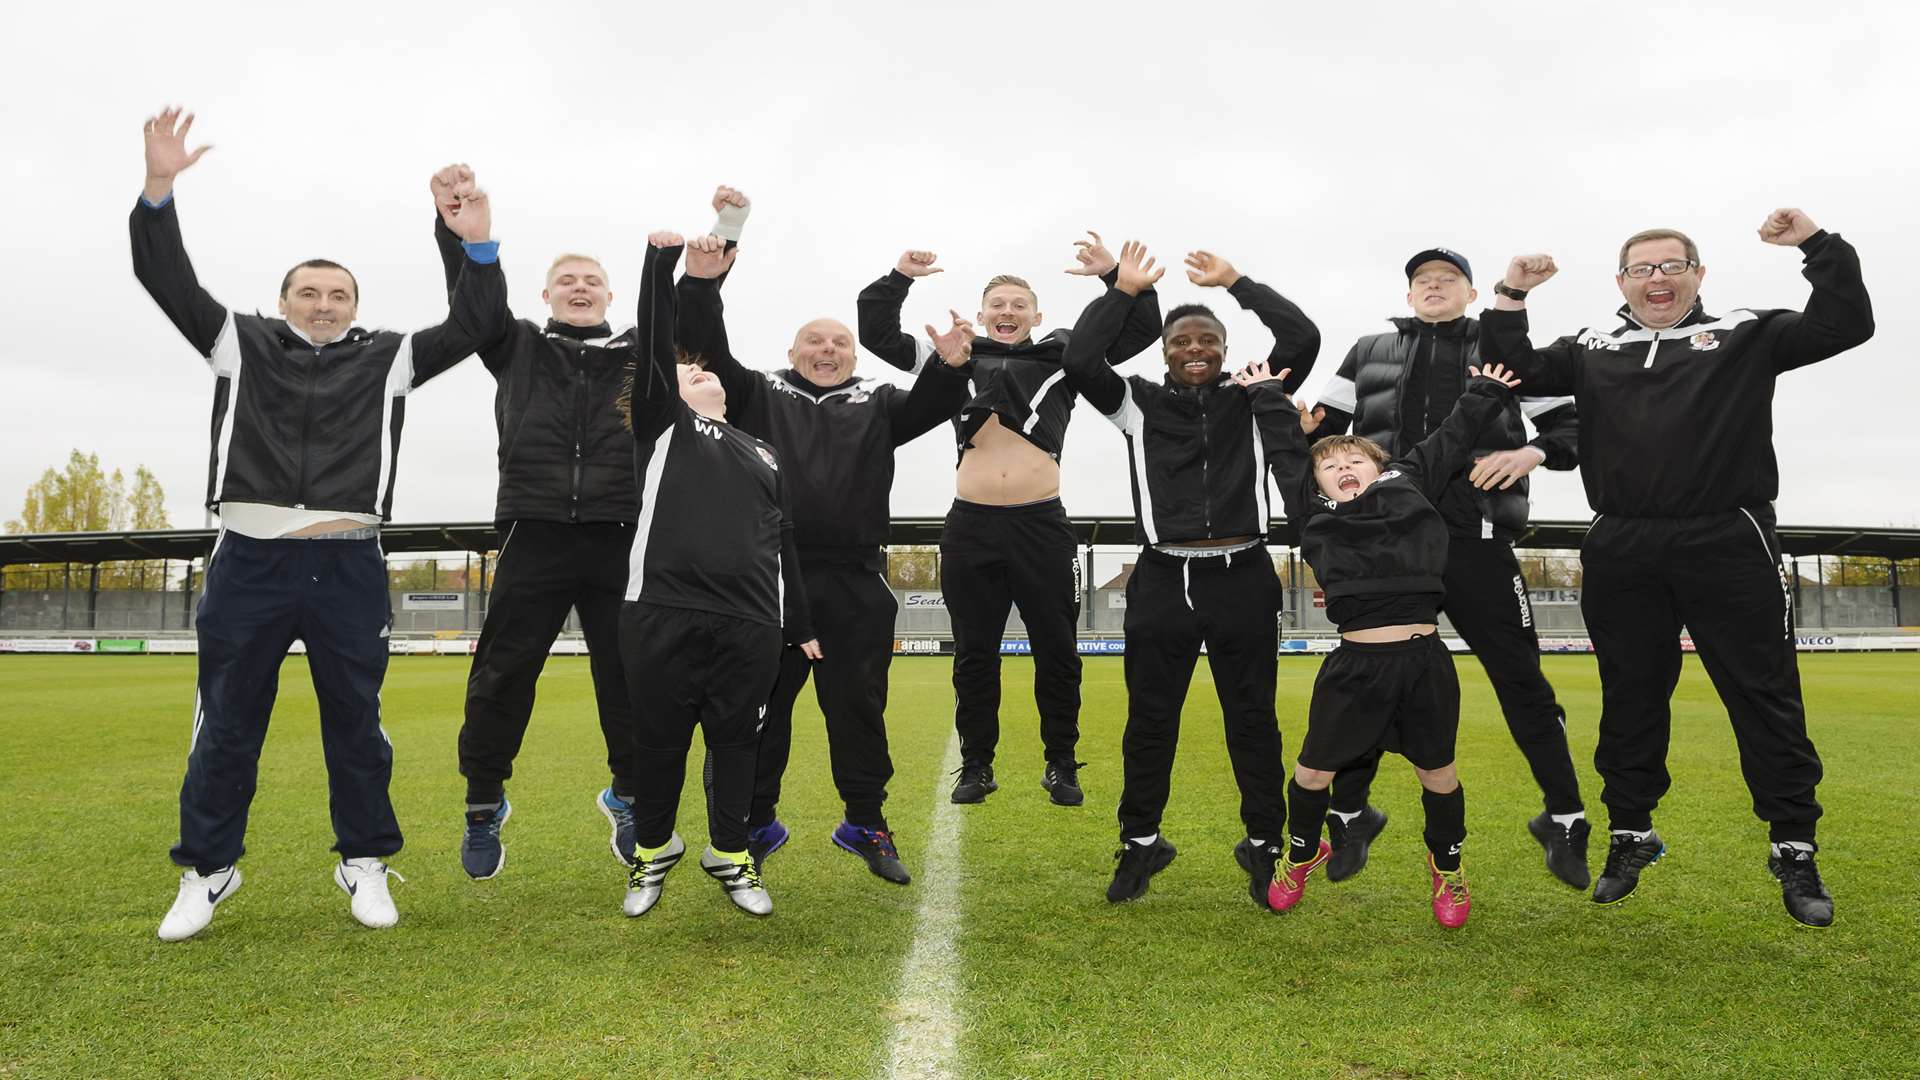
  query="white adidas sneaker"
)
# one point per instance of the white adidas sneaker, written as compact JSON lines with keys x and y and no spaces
{"x":193,"y":908}
{"x":365,"y":883}
{"x":648,"y":876}
{"x":741,"y":882}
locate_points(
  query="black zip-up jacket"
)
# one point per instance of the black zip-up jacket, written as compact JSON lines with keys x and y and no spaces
{"x":298,"y":425}
{"x":836,"y":443}
{"x":714,"y":533}
{"x":564,"y":453}
{"x":1380,"y":557}
{"x":1379,"y":393}
{"x":1024,"y":384}
{"x":1679,"y":422}
{"x":1197,"y":454}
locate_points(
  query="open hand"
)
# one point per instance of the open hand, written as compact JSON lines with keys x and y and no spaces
{"x":956,"y":345}
{"x":1310,"y":419}
{"x":1137,"y":272}
{"x":1495,"y":372}
{"x":1530,"y":271}
{"x":1504,"y":468}
{"x":1258,"y":372}
{"x":1092,"y":255}
{"x":167,"y":153}
{"x":708,"y":256}
{"x":1787,"y":227}
{"x":915,"y":263}
{"x":1211,"y":270}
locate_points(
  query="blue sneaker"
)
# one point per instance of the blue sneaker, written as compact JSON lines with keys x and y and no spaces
{"x":876,"y":847}
{"x":766,"y":840}
{"x":620,"y":815}
{"x":482,"y":855}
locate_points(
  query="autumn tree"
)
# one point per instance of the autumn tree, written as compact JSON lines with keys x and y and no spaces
{"x":84,"y":498}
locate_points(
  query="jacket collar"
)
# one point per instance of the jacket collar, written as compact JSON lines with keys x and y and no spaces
{"x":556,"y":328}
{"x":1452,"y":328}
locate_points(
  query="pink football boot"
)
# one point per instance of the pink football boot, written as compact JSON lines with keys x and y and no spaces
{"x":1290,"y":881}
{"x":1451,"y":904}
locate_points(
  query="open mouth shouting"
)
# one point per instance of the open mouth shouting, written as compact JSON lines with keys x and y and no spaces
{"x":1348,"y":483}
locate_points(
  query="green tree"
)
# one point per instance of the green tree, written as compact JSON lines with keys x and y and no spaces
{"x":85,"y":498}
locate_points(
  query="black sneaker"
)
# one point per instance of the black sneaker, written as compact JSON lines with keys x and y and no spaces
{"x":1566,"y":848}
{"x":1062,"y":781}
{"x":1626,"y":857}
{"x":1350,"y":842}
{"x":975,"y":784}
{"x":1138,"y":863}
{"x":875,"y":846}
{"x":1258,"y":861}
{"x":481,"y":852}
{"x":1805,"y":895}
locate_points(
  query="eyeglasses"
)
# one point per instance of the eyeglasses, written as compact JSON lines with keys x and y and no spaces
{"x":1671,"y":268}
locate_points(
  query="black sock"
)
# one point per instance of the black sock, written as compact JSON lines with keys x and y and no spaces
{"x":485,"y":792}
{"x":1446,"y":825}
{"x":867,"y":815}
{"x":1306,"y":814}
{"x":1353,"y":784}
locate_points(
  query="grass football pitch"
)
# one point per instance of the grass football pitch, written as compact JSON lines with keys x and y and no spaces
{"x":1033,"y":973}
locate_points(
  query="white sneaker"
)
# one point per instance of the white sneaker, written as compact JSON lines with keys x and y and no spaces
{"x":649,"y":876}
{"x":741,"y":881}
{"x":365,"y":881}
{"x":193,"y":908}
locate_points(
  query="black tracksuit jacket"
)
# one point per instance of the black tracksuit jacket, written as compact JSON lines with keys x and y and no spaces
{"x":1397,"y":388}
{"x":714,"y":533}
{"x":1679,"y":422}
{"x":298,"y":425}
{"x":836,"y":444}
{"x":1197,"y":453}
{"x":1024,"y":384}
{"x":565,"y":454}
{"x":1389,"y":541}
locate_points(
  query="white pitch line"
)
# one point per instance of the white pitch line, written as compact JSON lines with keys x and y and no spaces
{"x":926,"y":1032}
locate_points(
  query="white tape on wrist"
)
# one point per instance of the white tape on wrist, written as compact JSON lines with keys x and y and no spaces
{"x":731,"y":222}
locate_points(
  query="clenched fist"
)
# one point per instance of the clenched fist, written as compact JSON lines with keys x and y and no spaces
{"x":1788,"y":227}
{"x":918,"y":264}
{"x":1530,"y":271}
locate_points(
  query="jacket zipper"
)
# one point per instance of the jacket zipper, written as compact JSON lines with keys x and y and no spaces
{"x":1206,"y":452}
{"x":579,"y":433}
{"x":1653,"y":350}
{"x":306,"y":432}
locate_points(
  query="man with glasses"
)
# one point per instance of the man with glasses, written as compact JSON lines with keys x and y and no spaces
{"x":1676,"y":451}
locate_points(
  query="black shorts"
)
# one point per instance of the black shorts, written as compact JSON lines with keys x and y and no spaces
{"x":1398,"y":696}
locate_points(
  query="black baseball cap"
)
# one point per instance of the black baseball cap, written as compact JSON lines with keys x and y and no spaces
{"x":1447,"y":255}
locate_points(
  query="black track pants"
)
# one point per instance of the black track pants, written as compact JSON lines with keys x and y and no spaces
{"x":261,"y":596}
{"x":993,"y":558}
{"x":1230,"y":602}
{"x":854,"y":611}
{"x":1720,"y":576}
{"x":545,"y":570}
{"x":1487,"y":604}
{"x":685,"y":668}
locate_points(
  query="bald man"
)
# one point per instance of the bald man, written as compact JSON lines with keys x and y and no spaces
{"x":836,"y":434}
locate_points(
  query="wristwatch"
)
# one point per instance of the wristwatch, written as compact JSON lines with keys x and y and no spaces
{"x":1503,"y":289}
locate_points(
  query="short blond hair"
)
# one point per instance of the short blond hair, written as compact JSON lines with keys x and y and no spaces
{"x":1644,"y":235}
{"x":562,"y":260}
{"x":998,"y":280}
{"x":1333,"y":444}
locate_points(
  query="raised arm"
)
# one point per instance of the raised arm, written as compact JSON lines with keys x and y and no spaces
{"x":1100,"y":328}
{"x":1141,"y":327}
{"x":1449,"y":449}
{"x":1339,"y":400}
{"x":941,"y":389}
{"x":1279,"y":420}
{"x":477,"y":315}
{"x":702,"y":329}
{"x":653,"y":395}
{"x":1296,"y":341}
{"x":159,"y":255}
{"x":879,"y":308}
{"x":1554,"y":370}
{"x":1839,"y":315}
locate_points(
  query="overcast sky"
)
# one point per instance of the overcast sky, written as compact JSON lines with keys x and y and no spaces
{"x":1316,"y":146}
